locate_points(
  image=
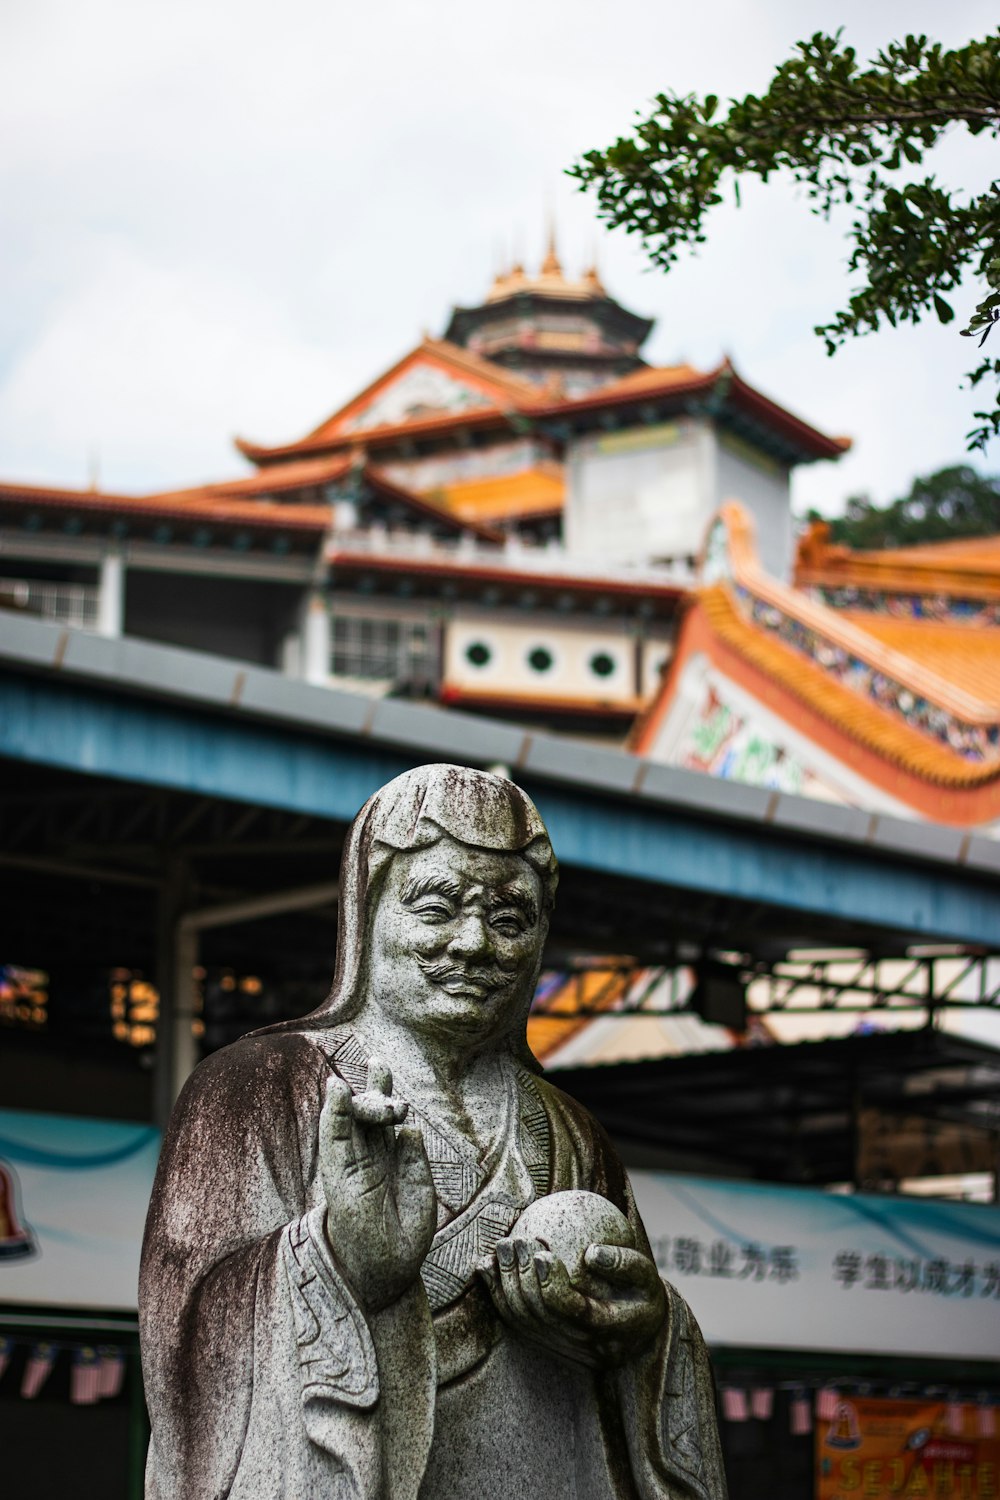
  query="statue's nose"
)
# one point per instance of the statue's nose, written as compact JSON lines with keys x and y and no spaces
{"x":471,"y":937}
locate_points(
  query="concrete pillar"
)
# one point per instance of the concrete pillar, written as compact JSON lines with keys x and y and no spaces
{"x":316,"y":639}
{"x":111,"y":595}
{"x":176,"y":956}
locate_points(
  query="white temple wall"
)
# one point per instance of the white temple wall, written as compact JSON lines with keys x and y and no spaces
{"x":649,"y":493}
{"x":640,"y":494}
{"x":761,"y":484}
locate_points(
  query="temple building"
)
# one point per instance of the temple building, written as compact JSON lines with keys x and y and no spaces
{"x":508,"y":518}
{"x":525,"y":520}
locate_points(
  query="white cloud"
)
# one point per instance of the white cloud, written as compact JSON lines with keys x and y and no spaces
{"x":227,"y":217}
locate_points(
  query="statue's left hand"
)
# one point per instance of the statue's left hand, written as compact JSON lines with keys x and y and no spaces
{"x":620,"y":1307}
{"x":380,"y":1205}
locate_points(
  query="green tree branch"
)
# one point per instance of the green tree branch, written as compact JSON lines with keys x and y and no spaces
{"x":841,"y":131}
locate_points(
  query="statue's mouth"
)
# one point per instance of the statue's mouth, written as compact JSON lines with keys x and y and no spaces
{"x":455,"y":979}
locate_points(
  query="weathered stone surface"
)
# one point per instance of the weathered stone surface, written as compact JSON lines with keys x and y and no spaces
{"x":385,"y":1259}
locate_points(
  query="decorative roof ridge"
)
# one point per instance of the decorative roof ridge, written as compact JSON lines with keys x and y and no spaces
{"x":831,"y":624}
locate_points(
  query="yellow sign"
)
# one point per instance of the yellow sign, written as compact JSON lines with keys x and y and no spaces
{"x":919,"y":1450}
{"x":662,"y":435}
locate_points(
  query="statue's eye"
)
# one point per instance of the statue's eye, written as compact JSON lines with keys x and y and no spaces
{"x":510,"y":923}
{"x":437,"y":910}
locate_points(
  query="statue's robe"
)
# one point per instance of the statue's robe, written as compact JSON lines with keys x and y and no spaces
{"x":264,"y":1379}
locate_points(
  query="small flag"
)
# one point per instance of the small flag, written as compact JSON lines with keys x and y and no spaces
{"x":762,"y":1402}
{"x":6,"y":1350}
{"x":112,"y":1370}
{"x":954,"y":1418}
{"x":38,"y":1369}
{"x":85,"y":1377}
{"x":800,"y":1415}
{"x":734,"y":1404}
{"x":986,"y":1421}
{"x":827,"y":1401}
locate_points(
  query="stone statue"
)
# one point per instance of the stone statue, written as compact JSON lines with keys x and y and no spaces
{"x":385,"y":1259}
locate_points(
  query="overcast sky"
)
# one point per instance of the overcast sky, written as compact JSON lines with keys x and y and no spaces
{"x":224,"y":217}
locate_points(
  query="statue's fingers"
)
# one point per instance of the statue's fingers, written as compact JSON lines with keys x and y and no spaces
{"x":373,"y":1108}
{"x":379,"y":1077}
{"x":510,"y":1281}
{"x":559,"y":1294}
{"x":526,"y":1258}
{"x":336,"y":1123}
{"x":413,"y":1170}
{"x":624,"y":1268}
{"x":490,"y":1273}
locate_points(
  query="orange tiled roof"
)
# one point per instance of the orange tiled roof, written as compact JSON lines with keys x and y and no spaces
{"x":967,"y":656}
{"x":199,"y":504}
{"x":299,"y":474}
{"x":656,"y":378}
{"x":848,"y":712}
{"x":426,"y":505}
{"x":510,"y":395}
{"x":503,"y":497}
{"x":723,"y":381}
{"x":232,"y":501}
{"x":963,"y":567}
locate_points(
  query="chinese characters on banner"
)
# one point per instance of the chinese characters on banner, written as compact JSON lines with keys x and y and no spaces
{"x":918,"y":1450}
{"x":688,"y":1255}
{"x":793,"y":1268}
{"x":906,"y":1273}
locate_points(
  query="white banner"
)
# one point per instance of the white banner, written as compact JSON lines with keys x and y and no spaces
{"x":791,"y":1268}
{"x":765,"y":1267}
{"x":73,"y":1199}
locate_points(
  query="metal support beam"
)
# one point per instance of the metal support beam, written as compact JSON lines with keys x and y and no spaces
{"x":229,"y":913}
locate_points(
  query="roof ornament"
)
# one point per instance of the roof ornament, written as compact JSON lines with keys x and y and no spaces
{"x":592,"y":277}
{"x":552,"y":265}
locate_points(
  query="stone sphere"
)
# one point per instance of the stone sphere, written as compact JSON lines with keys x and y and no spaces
{"x":567,"y":1224}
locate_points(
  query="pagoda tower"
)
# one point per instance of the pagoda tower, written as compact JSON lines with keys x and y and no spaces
{"x":556,"y":331}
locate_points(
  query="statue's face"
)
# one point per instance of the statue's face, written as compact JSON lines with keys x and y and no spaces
{"x":456,"y":940}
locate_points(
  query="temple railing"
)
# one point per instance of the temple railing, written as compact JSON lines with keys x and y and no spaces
{"x":515,"y":555}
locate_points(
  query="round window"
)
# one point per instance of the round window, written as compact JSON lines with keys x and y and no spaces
{"x":601,"y":664}
{"x":540,"y":659}
{"x":478,"y":653}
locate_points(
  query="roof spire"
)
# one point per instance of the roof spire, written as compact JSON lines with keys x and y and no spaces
{"x":551,"y":265}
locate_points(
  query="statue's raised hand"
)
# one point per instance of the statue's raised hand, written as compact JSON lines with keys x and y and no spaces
{"x":381,"y":1209}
